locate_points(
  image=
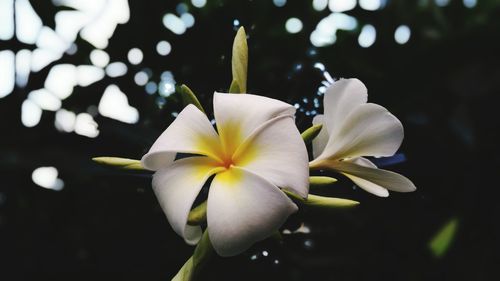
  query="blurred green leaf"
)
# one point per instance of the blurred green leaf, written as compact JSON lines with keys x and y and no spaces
{"x":239,"y":62}
{"x":122,"y":163}
{"x":442,"y":240}
{"x":188,"y":97}
{"x":191,"y":269}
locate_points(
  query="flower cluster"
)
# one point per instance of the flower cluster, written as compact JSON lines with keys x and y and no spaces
{"x":255,"y":161}
{"x":256,"y":151}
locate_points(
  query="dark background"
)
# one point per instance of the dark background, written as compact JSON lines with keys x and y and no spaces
{"x":107,"y":225}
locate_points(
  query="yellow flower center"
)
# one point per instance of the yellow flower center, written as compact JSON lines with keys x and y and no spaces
{"x":227,"y":161}
{"x":232,"y":150}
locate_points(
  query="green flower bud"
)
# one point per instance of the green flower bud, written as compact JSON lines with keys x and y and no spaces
{"x":309,"y":134}
{"x":234,"y":88}
{"x":188,"y":97}
{"x":198,"y":214}
{"x":320,"y":181}
{"x":122,"y":163}
{"x":239,"y":62}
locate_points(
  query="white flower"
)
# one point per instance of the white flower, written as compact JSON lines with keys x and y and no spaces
{"x":353,"y":128}
{"x":257,"y":148}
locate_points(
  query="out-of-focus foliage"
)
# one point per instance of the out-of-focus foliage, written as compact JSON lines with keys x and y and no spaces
{"x":443,"y":239}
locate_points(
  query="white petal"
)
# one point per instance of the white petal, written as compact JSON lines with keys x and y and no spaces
{"x":369,"y":186}
{"x":276,"y":152}
{"x":370,"y":130}
{"x":244,"y":208}
{"x":374,"y":180}
{"x":364,"y":184}
{"x":191,"y":132}
{"x":341,"y":98}
{"x":237,"y":115}
{"x":362,"y":162}
{"x":176,"y":188}
{"x":320,"y":141}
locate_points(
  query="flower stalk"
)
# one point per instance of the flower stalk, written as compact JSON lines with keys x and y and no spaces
{"x":191,"y":269}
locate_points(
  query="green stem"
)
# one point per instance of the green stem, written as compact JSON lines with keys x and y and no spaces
{"x":191,"y":269}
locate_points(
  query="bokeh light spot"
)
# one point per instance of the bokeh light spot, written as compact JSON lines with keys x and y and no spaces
{"x":293,"y":25}
{"x":135,"y":56}
{"x":402,"y":34}
{"x":279,"y":3}
{"x":163,"y":48}
{"x":199,"y":3}
{"x":99,"y":58}
{"x":367,"y":36}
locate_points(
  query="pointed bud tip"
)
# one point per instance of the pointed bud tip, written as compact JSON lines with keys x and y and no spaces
{"x":123,"y":163}
{"x":239,"y":60}
{"x":188,"y":97}
{"x":312,"y":132}
{"x":316,"y":181}
{"x":330,"y":202}
{"x":100,"y":159}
